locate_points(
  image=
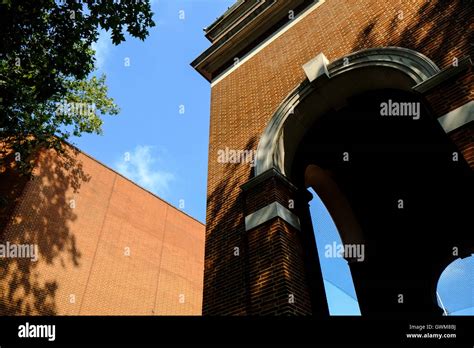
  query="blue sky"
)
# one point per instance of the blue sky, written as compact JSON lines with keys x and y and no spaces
{"x":164,"y":120}
{"x":160,"y":138}
{"x":455,"y":285}
{"x":340,"y":292}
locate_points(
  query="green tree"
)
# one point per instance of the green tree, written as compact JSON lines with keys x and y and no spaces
{"x":47,"y":93}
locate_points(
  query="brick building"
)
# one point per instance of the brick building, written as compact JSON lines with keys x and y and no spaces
{"x":300,"y":84}
{"x":104,"y":246}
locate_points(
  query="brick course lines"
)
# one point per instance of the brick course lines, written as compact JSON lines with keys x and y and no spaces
{"x":83,"y":267}
{"x":243,"y":102}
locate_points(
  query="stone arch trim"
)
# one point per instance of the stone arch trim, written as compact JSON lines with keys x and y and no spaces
{"x":266,"y":196}
{"x":413,"y":65}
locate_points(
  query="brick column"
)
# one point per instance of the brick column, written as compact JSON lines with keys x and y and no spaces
{"x":450,"y":95}
{"x":279,"y":251}
{"x":463,"y":138}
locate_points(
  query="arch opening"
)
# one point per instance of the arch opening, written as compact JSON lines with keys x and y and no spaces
{"x":363,"y":71}
{"x":455,"y":287}
{"x":377,"y":176}
{"x":333,"y":257}
{"x":387,"y":178}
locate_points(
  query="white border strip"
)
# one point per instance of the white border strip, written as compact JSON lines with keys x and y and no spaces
{"x":269,"y":212}
{"x":267,"y":42}
{"x":458,"y":117}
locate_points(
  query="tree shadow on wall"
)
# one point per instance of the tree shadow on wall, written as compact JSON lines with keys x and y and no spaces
{"x":41,"y":217}
{"x":225,"y":206}
{"x":435,"y":31}
{"x":438,"y":30}
{"x":442,"y":31}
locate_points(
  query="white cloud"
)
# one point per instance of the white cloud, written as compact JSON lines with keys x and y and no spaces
{"x":139,"y":166}
{"x":102,"y":49}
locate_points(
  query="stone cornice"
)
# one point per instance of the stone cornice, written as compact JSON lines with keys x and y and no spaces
{"x":241,"y":28}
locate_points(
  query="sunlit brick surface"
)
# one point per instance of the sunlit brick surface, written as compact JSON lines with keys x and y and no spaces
{"x":243,"y":102}
{"x":111,"y":248}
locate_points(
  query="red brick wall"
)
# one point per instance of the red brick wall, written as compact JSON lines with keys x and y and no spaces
{"x":453,"y":93}
{"x":276,"y":290}
{"x":116,"y":250}
{"x":243,"y":102}
{"x":463,"y":137}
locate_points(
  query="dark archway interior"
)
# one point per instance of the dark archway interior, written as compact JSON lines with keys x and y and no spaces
{"x":394,"y":161}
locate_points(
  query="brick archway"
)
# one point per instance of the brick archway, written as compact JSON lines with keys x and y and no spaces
{"x":283,"y":216}
{"x":374,"y":164}
{"x":256,"y":260}
{"x":327,"y":87}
